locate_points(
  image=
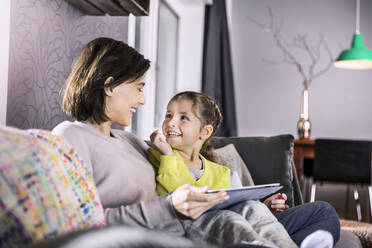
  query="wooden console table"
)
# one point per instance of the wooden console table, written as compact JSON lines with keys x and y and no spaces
{"x":303,"y":148}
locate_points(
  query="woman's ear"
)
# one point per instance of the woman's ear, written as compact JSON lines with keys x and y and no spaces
{"x":206,"y":132}
{"x":108,"y":90}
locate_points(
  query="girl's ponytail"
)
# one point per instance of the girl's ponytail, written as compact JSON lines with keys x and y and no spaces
{"x":208,"y":152}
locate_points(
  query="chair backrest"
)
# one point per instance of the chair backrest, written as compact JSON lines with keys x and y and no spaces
{"x":346,"y":161}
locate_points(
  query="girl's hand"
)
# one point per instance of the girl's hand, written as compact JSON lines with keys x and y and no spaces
{"x":192,"y":201}
{"x":159,"y":142}
{"x":276,"y":203}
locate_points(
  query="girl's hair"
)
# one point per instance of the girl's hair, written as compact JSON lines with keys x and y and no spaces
{"x":207,"y":111}
{"x":84,"y":90}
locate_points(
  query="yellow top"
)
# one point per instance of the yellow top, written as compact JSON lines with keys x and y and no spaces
{"x":171,"y":172}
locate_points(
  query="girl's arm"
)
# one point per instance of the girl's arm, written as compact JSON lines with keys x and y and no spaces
{"x":159,"y":143}
{"x":276,"y":202}
{"x":167,"y":167}
{"x":167,"y":171}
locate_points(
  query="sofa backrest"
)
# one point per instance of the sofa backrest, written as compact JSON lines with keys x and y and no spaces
{"x":269,"y":160}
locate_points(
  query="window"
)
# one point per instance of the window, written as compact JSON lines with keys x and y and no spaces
{"x":166,"y":65}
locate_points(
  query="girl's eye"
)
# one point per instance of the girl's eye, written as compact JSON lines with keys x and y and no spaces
{"x":168,"y":116}
{"x":184,"y":118}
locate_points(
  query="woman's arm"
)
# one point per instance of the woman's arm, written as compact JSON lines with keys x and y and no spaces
{"x":187,"y":200}
{"x":149,"y":214}
{"x":193,"y":201}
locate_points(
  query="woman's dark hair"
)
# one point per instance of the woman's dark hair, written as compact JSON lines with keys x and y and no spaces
{"x":207,"y":111}
{"x":84,"y":90}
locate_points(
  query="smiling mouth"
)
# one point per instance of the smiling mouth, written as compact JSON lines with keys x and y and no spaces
{"x":172,"y":134}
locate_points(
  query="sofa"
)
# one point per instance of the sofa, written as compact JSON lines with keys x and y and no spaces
{"x":55,"y":204}
{"x":270,"y":159}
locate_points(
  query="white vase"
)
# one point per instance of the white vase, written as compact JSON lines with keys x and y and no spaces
{"x":304,"y":124}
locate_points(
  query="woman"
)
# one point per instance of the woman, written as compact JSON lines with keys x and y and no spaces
{"x":105,"y":87}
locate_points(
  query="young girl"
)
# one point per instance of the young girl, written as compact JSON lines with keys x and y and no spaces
{"x":183,"y":154}
{"x":184,"y":150}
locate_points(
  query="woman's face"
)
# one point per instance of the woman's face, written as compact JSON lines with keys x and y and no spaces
{"x":123,"y":101}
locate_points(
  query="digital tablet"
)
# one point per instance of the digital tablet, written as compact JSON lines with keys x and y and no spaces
{"x":246,"y":193}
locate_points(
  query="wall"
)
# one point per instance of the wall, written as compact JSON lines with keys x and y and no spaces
{"x":190,"y":52}
{"x":191,"y":35}
{"x":45,"y":37}
{"x":268,"y":96}
{"x":4,"y":59}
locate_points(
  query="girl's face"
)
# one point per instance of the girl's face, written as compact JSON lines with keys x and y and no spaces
{"x":181,"y":127}
{"x":123,"y":101}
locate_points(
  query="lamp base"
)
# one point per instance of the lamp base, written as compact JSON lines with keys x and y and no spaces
{"x":304,"y":128}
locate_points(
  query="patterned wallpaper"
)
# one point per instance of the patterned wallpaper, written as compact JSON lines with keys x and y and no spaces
{"x":45,"y":37}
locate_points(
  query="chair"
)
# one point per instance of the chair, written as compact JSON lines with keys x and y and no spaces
{"x":343,"y":161}
{"x":307,"y":179}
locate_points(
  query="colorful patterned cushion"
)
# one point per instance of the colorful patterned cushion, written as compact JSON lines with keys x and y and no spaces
{"x":45,"y":189}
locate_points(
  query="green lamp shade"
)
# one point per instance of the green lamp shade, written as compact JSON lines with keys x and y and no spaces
{"x":357,"y":57}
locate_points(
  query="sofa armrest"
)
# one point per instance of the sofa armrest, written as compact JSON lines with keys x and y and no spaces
{"x":269,"y":160}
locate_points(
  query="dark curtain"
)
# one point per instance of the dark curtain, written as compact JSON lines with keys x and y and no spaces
{"x":217,"y":78}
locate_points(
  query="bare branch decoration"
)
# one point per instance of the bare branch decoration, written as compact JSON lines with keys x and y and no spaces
{"x":300,"y":42}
